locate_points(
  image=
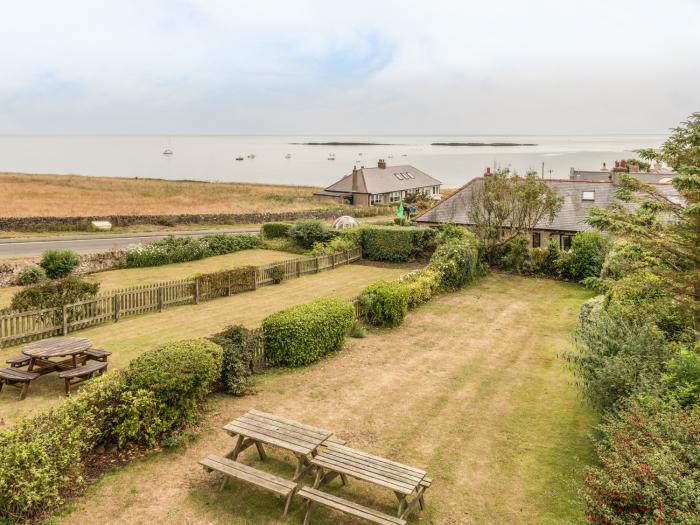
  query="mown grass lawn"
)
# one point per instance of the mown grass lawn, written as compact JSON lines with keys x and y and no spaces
{"x":469,"y":388}
{"x":133,"y":335}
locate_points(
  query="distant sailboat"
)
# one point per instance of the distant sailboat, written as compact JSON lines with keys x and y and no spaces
{"x":167,"y":152}
{"x":239,"y":158}
{"x":288,"y":156}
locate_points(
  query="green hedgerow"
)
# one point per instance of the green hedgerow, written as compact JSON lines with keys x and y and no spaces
{"x":588,"y":252}
{"x":303,"y":334}
{"x":396,"y":243}
{"x":385,"y":303}
{"x":307,"y":232}
{"x":457,"y":262}
{"x":421,"y":286}
{"x":59,"y":263}
{"x":53,"y":294}
{"x":239,"y":345}
{"x":31,"y":275}
{"x":275,"y":230}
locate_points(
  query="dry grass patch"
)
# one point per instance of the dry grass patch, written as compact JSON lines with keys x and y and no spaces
{"x":469,"y":388}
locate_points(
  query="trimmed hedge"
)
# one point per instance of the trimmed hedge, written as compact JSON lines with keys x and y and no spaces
{"x":239,"y":346}
{"x":54,"y":294}
{"x":396,"y":243}
{"x":421,"y":286}
{"x":385,"y":303}
{"x":457,"y":262}
{"x":275,"y":230}
{"x":303,"y":334}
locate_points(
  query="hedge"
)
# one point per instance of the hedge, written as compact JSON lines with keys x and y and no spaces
{"x":457,"y":262}
{"x":59,"y":263}
{"x":239,"y":346}
{"x":303,"y":334}
{"x":274,"y":230}
{"x":53,"y":294}
{"x":421,"y":286}
{"x":396,"y":243}
{"x":385,"y":303}
{"x":310,"y":231}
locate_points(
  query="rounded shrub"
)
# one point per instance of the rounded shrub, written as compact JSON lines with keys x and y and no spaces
{"x":303,"y":334}
{"x":239,"y":345}
{"x":31,"y":275}
{"x":59,"y":263}
{"x":588,"y":251}
{"x":385,"y":303}
{"x":309,"y":231}
{"x":421,"y":286}
{"x":457,"y":262}
{"x":275,"y":230}
{"x":179,"y":374}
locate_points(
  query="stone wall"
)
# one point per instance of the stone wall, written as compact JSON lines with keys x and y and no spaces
{"x":89,"y":263}
{"x":83,"y":223}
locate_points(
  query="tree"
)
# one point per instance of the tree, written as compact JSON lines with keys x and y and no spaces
{"x":507,"y":205}
{"x":667,"y":227}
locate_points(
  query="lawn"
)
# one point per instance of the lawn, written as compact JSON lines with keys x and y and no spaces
{"x":131,"y":336}
{"x":469,"y":388}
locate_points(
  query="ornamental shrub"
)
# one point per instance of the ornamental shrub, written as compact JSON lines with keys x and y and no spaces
{"x":421,"y":286}
{"x":31,"y":275}
{"x":239,"y":346}
{"x":275,"y":230}
{"x":54,"y":294}
{"x":457,"y":262}
{"x":588,"y":252}
{"x":182,"y":249}
{"x":649,"y":466}
{"x":277,"y":273}
{"x":514,"y":256}
{"x":303,"y":334}
{"x":179,"y":374}
{"x":396,"y":243}
{"x":221,"y":243}
{"x":59,"y":263}
{"x":345,"y":239}
{"x":682,"y":377}
{"x":309,"y":231}
{"x":624,"y":258}
{"x":385,"y":303}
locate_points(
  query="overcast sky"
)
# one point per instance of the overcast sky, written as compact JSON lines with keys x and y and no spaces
{"x":342,"y":67}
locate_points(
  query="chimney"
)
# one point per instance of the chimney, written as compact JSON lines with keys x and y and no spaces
{"x":381,"y":164}
{"x":354,"y":179}
{"x":488,"y":173}
{"x":572,"y":173}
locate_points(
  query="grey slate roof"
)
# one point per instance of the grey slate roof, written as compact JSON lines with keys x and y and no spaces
{"x":572,"y":216}
{"x":385,"y":180}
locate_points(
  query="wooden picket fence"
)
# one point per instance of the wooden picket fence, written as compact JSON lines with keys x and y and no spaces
{"x":17,"y":327}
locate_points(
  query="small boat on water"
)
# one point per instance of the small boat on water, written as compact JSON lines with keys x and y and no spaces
{"x":239,"y":158}
{"x":288,"y":156}
{"x":167,"y":152}
{"x":331,"y":157}
{"x":251,"y":156}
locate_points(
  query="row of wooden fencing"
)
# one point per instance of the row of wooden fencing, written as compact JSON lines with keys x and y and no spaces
{"x":17,"y":327}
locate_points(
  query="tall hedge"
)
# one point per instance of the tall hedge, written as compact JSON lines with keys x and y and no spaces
{"x":385,"y":303}
{"x":302,"y":334}
{"x":457,"y":262}
{"x":396,"y":243}
{"x":275,"y":230}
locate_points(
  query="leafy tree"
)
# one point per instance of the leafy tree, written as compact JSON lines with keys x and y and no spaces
{"x":507,"y":205}
{"x":666,"y":227}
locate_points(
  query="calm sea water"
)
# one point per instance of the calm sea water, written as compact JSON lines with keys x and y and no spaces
{"x":212,"y":158}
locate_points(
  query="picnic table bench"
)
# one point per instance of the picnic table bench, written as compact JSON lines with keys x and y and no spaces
{"x":345,"y":506}
{"x":17,"y":378}
{"x":82,"y":373}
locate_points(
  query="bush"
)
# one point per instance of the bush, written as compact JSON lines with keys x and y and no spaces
{"x":221,"y":243}
{"x":385,"y":303}
{"x":303,"y":334}
{"x":457,"y":262}
{"x":514,"y":256}
{"x":397,"y":244}
{"x":588,"y":252}
{"x":277,"y":273}
{"x":31,"y":275}
{"x":275,"y":230}
{"x":616,"y":359}
{"x":682,"y":378}
{"x":346,"y":239}
{"x":649,"y":469}
{"x":622,"y":259}
{"x":357,"y":330}
{"x":54,"y":294}
{"x":421,"y":286}
{"x":239,"y":346}
{"x":309,"y":231}
{"x":179,"y":374}
{"x":59,"y":263}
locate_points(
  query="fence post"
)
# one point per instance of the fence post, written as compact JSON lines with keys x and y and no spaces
{"x":65,"y":319}
{"x":347,"y":256}
{"x":299,"y":268}
{"x":255,"y":278}
{"x":229,"y":283}
{"x":196,"y":290}
{"x":333,"y":260}
{"x":317,"y":258}
{"x":117,"y":303}
{"x":160,"y":298}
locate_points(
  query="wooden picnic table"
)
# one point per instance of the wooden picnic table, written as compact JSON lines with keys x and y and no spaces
{"x":335,"y":460}
{"x":258,"y":428}
{"x":42,"y":352}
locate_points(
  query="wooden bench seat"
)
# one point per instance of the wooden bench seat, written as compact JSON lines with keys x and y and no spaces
{"x":97,"y":354}
{"x":82,"y":373}
{"x":18,"y":361}
{"x":345,"y":506}
{"x":265,"y":480}
{"x":17,"y":378}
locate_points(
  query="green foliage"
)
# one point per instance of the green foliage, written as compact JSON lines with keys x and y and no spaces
{"x":303,"y":334}
{"x":624,"y":258}
{"x":385,"y":303}
{"x":546,"y":260}
{"x":179,"y":374}
{"x":182,"y":249}
{"x":345,"y":239}
{"x":643,"y":165}
{"x":588,"y":252}
{"x":513,"y":256}
{"x":31,"y":275}
{"x":615,"y":359}
{"x":59,"y":263}
{"x":421,"y":286}
{"x":239,"y":346}
{"x":396,"y":243}
{"x":682,"y":378}
{"x":54,"y":294}
{"x":309,"y":231}
{"x":357,"y":330}
{"x":457,"y":261}
{"x":277,"y":273}
{"x":649,"y":469}
{"x":275,"y":230}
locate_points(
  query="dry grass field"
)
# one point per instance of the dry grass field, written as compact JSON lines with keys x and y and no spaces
{"x":27,"y":195}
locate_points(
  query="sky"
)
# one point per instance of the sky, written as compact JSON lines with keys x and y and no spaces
{"x":339,"y":67}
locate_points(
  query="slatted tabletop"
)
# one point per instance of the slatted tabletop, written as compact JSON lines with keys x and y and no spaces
{"x":373,"y":469}
{"x":57,"y":347}
{"x":278,"y":431}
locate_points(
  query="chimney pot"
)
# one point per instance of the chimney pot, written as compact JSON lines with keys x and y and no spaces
{"x":488,"y":172}
{"x":381,"y":164}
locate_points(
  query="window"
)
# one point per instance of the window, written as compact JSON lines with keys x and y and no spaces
{"x":395,"y":196}
{"x":536,"y":241}
{"x":565,"y":242}
{"x":409,"y":175}
{"x":398,"y":176}
{"x":588,"y":195}
{"x":375,"y":198}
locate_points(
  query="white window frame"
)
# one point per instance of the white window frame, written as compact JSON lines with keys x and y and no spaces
{"x":588,"y":196}
{"x":395,"y":196}
{"x":375,"y":198}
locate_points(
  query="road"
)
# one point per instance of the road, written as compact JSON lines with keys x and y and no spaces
{"x":94,"y":243}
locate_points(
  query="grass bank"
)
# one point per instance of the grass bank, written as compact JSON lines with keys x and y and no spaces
{"x":469,"y":388}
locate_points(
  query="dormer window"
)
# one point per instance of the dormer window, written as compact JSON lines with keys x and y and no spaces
{"x":588,"y":195}
{"x":398,"y":176}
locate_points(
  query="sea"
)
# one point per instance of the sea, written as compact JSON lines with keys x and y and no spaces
{"x":290,"y":160}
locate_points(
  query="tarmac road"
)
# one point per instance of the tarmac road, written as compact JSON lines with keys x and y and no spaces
{"x":94,"y":243}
